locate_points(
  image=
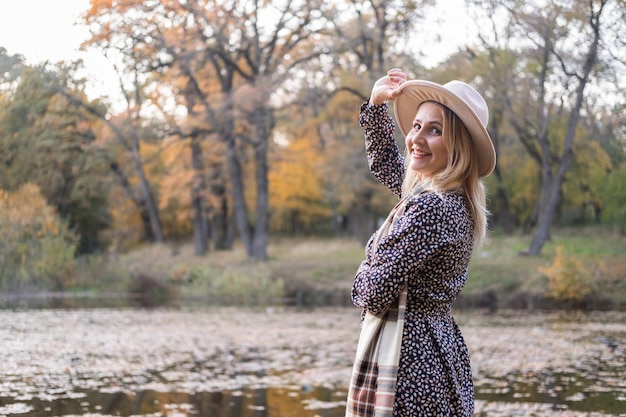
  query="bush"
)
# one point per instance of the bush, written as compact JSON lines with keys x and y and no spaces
{"x":569,"y":281}
{"x":249,"y":282}
{"x":100,"y":273}
{"x":36,"y":246}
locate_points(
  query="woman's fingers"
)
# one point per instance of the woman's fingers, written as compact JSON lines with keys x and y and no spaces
{"x":396,"y":75}
{"x":387,"y":87}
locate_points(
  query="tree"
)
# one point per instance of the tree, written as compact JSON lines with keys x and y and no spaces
{"x":128,"y":130}
{"x":371,"y":36}
{"x":559,"y":47}
{"x":46,"y":140}
{"x":243,"y":46}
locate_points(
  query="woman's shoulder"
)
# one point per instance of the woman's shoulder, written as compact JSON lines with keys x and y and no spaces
{"x":446,"y":202}
{"x":438,"y":197}
{"x":445,"y":211}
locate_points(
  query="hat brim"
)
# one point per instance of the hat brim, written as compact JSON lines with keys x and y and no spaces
{"x":416,"y":92}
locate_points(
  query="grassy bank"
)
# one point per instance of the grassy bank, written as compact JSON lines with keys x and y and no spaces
{"x":581,"y":268}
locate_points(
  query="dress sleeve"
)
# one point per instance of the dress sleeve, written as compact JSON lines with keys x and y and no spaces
{"x":383,"y":156}
{"x":417,"y":237}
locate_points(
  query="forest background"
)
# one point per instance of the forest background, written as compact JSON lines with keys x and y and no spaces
{"x":234,"y":166}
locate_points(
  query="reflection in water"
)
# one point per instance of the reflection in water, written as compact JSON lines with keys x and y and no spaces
{"x":561,"y":391}
{"x":262,"y":402}
{"x":597,"y":391}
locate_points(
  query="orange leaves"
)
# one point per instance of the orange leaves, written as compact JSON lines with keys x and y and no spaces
{"x":296,"y":187}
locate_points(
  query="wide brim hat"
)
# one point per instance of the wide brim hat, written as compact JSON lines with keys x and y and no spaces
{"x":463,"y":100}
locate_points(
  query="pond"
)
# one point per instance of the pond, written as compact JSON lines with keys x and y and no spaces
{"x":283,"y":362}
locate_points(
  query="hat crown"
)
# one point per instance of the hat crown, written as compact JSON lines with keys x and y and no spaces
{"x":472,"y":98}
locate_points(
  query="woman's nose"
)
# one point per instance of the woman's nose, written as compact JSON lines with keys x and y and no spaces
{"x":418,"y":137}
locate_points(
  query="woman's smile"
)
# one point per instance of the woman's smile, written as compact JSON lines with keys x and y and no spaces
{"x":418,"y":153}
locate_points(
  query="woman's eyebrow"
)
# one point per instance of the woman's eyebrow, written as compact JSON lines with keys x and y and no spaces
{"x":437,"y":122}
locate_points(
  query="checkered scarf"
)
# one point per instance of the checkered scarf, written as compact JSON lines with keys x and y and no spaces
{"x":372,"y":387}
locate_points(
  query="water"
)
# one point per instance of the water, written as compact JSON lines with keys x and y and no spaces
{"x":558,"y":392}
{"x":603,"y":392}
{"x":259,"y":402}
{"x":280,"y":362}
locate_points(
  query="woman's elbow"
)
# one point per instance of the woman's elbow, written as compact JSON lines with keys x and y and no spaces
{"x":373,"y":303}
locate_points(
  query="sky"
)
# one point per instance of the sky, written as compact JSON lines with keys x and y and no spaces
{"x":41,"y":29}
{"x":47,"y":30}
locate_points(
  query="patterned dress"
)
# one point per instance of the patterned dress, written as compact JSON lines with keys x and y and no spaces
{"x":429,"y":249}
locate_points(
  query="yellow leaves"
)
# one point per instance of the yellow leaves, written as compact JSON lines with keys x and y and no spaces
{"x":521,"y":182}
{"x":27,"y":211}
{"x":296,"y":187}
{"x":568,"y":278}
{"x":35,"y":242}
{"x":126,"y":229}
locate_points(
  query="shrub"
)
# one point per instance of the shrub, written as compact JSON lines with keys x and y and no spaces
{"x":569,"y":280}
{"x":244,"y":282}
{"x":101,"y":273}
{"x":36,"y":246}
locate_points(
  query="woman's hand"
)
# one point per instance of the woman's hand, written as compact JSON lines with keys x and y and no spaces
{"x":387,"y":87}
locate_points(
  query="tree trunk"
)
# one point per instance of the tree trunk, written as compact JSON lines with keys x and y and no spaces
{"x":138,"y":201}
{"x":550,"y":198}
{"x":236,"y":176}
{"x":150,"y":205}
{"x":261,"y":227}
{"x":506,"y":219}
{"x":153,"y":214}
{"x":219,"y":219}
{"x":551,"y":189}
{"x":145,"y":203}
{"x":263,"y":123}
{"x":198,"y":198}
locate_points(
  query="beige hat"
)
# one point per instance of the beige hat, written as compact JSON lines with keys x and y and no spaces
{"x":459,"y":97}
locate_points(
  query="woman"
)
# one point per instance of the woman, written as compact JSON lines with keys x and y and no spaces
{"x":411,"y":359}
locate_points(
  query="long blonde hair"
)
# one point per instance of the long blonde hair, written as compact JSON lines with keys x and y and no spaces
{"x":459,"y":175}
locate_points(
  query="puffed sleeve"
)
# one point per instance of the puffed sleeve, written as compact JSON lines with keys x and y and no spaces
{"x":383,"y":155}
{"x":417,"y":237}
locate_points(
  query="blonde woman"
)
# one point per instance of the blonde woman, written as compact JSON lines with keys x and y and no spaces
{"x":411,"y":359}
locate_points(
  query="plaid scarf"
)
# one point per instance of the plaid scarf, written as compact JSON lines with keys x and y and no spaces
{"x":372,"y":387}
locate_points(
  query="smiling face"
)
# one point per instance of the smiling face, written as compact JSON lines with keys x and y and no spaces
{"x":425,"y":143}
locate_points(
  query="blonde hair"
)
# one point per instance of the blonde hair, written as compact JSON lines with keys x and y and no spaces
{"x":459,"y":175}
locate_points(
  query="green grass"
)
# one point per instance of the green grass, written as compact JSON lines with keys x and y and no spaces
{"x":328,"y":265}
{"x":500,"y":267}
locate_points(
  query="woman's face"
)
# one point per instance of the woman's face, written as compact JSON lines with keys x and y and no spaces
{"x":424,"y":142}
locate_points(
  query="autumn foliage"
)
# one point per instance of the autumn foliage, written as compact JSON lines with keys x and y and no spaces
{"x":296,"y":189}
{"x":37,"y":246}
{"x":238,"y":124}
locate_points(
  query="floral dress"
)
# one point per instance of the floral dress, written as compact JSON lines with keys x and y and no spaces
{"x":429,"y":250}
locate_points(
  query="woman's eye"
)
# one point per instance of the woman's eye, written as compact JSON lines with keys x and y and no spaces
{"x":417,"y":126}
